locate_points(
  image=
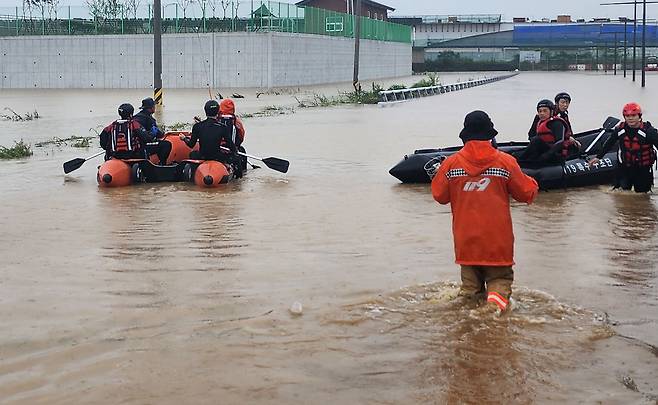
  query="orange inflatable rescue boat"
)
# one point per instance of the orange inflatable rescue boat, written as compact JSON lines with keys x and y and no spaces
{"x":204,"y":173}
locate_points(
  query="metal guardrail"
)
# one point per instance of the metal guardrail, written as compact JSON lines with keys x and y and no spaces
{"x":391,"y":96}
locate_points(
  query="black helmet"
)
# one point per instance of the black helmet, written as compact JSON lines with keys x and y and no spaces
{"x":212,"y":108}
{"x":126,"y":110}
{"x":562,"y":96}
{"x":148,"y":103}
{"x":546,"y":103}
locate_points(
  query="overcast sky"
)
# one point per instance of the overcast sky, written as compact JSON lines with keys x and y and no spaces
{"x":509,"y":8}
{"x":517,"y":8}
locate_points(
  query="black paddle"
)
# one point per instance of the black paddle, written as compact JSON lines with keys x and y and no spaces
{"x":273,"y":163}
{"x":609,"y":123}
{"x":75,"y":164}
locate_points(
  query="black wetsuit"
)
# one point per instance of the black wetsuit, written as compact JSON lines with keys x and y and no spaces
{"x":532,"y":132}
{"x":211,"y":134}
{"x":631,"y":175}
{"x":158,"y":146}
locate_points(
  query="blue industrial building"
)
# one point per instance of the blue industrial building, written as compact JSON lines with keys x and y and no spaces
{"x":487,"y":38}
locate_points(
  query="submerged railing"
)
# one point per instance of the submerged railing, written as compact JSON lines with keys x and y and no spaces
{"x":390,"y":96}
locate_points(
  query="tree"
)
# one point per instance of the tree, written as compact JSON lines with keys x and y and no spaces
{"x":213,"y":6}
{"x":104,"y":9}
{"x":202,"y":4}
{"x":53,"y":6}
{"x":132,"y":7}
{"x":27,"y":8}
{"x":184,"y":4}
{"x":224,"y":4}
{"x":236,"y":4}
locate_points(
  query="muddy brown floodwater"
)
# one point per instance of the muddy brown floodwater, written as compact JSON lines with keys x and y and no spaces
{"x":168,"y":294}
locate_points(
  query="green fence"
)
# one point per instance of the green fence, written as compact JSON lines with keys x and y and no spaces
{"x":198,"y":17}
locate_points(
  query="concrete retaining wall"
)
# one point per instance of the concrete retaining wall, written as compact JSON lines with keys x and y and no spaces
{"x":220,"y":60}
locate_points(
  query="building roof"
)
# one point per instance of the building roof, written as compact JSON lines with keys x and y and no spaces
{"x":363,"y":2}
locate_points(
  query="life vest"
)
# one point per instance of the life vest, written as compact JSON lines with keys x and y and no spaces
{"x":634,"y":148}
{"x":545,"y":134}
{"x":235,"y":127}
{"x":123,"y":137}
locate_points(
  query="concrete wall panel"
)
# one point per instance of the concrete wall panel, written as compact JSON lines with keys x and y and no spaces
{"x":221,"y":60}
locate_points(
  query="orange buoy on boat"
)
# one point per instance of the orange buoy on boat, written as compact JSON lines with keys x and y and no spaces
{"x":210,"y":173}
{"x":115,"y":173}
{"x":179,"y":150}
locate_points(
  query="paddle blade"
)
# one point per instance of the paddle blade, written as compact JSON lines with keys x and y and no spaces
{"x":610,"y":122}
{"x":72,"y":165}
{"x":277,"y":164}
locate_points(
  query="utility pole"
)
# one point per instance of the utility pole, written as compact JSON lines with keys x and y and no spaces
{"x":625,"y":44}
{"x":634,"y":34}
{"x":157,"y":52}
{"x":357,"y":40}
{"x":614,"y":65}
{"x":644,"y":33}
{"x":644,"y":42}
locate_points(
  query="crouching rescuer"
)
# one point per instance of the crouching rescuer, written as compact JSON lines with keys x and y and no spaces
{"x":477,"y":182}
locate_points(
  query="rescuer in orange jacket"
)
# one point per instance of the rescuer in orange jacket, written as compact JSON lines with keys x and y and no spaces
{"x":477,"y":182}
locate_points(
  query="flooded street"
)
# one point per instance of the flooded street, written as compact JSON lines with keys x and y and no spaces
{"x":168,"y":294}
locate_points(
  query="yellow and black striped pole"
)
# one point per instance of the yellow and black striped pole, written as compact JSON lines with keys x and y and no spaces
{"x":157,"y":53}
{"x":157,"y":95}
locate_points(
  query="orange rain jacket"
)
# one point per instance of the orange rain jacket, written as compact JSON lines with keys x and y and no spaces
{"x":477,"y":182}
{"x":227,"y":107}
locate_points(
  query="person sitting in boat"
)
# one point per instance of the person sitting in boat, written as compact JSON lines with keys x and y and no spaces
{"x":553,"y":142}
{"x":637,"y":155}
{"x":156,"y":144}
{"x":562,"y":103}
{"x":124,"y":138}
{"x":227,"y":116}
{"x":212,"y":135}
{"x":234,"y":123}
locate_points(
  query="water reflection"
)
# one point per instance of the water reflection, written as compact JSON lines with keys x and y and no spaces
{"x":634,"y":249}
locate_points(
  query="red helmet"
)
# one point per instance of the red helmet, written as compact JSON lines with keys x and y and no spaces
{"x":632,"y":109}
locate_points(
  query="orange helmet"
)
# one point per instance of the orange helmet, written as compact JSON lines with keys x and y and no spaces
{"x":632,"y":109}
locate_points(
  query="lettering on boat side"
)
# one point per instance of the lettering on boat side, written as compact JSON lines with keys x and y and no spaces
{"x":585,"y":167}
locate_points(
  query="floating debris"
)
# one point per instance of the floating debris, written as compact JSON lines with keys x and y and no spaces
{"x":14,"y":116}
{"x":296,"y":308}
{"x":74,"y":141}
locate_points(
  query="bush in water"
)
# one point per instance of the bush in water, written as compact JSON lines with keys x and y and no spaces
{"x":19,"y":150}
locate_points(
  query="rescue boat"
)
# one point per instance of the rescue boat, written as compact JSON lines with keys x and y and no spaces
{"x":204,"y":173}
{"x":422,"y":165}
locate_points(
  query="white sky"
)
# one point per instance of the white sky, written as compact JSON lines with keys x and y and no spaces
{"x":509,"y":8}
